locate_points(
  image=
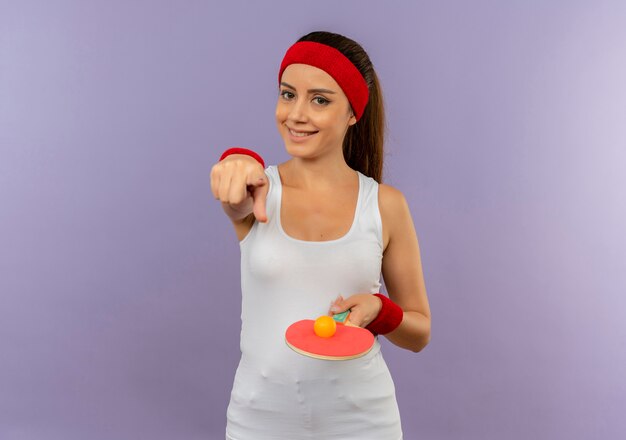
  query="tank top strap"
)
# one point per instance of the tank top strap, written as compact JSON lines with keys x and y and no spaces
{"x":369,"y":218}
{"x":272,"y":200}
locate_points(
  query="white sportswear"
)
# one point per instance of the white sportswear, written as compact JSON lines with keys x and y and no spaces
{"x":277,"y":393}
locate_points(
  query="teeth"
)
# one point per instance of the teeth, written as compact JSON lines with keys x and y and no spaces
{"x":300,"y":134}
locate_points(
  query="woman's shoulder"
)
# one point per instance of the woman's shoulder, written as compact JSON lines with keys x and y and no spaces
{"x":390,"y":199}
{"x":394,"y":211}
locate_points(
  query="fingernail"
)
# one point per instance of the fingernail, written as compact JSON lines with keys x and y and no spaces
{"x":334,"y":309}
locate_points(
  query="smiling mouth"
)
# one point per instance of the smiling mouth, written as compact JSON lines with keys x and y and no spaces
{"x":301,"y":133}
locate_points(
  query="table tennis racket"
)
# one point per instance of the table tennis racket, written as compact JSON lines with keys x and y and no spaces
{"x":348,"y":342}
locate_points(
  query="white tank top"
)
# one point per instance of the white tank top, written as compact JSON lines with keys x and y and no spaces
{"x":278,"y":393}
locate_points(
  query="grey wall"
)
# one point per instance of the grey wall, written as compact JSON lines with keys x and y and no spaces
{"x":119,"y":273}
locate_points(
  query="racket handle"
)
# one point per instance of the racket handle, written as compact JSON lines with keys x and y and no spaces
{"x":342,"y":318}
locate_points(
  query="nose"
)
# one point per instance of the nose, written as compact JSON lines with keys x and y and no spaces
{"x":298,"y":111}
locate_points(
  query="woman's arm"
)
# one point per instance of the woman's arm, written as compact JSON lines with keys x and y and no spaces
{"x":402,"y":271}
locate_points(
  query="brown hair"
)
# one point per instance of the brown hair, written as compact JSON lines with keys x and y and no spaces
{"x":364,"y":141}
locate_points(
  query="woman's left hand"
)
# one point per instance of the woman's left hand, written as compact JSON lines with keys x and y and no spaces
{"x":364,"y":308}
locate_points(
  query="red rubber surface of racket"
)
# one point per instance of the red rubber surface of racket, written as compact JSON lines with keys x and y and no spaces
{"x":347,"y":342}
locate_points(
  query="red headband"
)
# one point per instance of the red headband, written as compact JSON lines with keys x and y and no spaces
{"x":336,"y":65}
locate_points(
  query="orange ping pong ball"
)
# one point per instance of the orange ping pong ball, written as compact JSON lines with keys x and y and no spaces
{"x":325,"y":326}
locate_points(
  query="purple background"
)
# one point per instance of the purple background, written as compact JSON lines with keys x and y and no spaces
{"x":119,"y":273}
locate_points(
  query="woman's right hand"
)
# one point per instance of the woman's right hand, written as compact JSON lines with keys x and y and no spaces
{"x":239,"y":181}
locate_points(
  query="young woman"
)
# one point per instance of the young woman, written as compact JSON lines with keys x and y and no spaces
{"x":315,"y":233}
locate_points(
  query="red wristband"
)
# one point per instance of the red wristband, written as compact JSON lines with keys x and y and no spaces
{"x":237,"y":150}
{"x":388,"y":319}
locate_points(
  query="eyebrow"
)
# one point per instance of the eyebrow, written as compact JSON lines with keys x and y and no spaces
{"x":310,"y":90}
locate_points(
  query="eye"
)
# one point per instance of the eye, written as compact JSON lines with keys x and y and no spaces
{"x":286,"y":92}
{"x":321,"y":101}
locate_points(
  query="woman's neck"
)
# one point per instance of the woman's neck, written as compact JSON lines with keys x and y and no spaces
{"x":316,"y":175}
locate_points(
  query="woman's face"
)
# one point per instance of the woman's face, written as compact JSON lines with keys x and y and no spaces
{"x":312,"y":113}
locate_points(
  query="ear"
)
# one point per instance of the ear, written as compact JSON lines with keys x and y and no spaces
{"x":352,"y":119}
